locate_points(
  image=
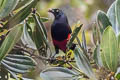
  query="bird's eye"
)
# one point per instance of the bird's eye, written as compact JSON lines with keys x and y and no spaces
{"x":57,"y":11}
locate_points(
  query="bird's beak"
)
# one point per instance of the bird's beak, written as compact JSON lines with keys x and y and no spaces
{"x":51,"y":11}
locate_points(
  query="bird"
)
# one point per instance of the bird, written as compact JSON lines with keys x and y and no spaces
{"x":60,"y":30}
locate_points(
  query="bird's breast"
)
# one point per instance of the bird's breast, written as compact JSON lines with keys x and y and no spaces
{"x":60,"y":31}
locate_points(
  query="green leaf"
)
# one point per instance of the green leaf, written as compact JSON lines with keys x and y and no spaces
{"x":40,"y":34}
{"x":18,"y":63}
{"x":83,"y":63}
{"x":111,"y":13}
{"x":102,"y":20}
{"x":23,"y":4}
{"x":118,"y":76}
{"x":84,"y":45}
{"x":6,"y":7}
{"x":57,"y":73}
{"x":21,"y":15}
{"x":117,"y":11}
{"x":109,"y":49}
{"x":42,"y":19}
{"x":96,"y":35}
{"x":74,"y":35}
{"x":11,"y":39}
{"x":38,"y":31}
{"x":118,"y":38}
{"x":96,"y":56}
{"x":26,"y":38}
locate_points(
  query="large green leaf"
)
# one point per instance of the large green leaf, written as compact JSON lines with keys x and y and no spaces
{"x":117,"y":11}
{"x":42,"y":19}
{"x":6,"y":6}
{"x":102,"y":20}
{"x":74,"y":35}
{"x":18,"y":63}
{"x":39,"y":34}
{"x":58,"y":73}
{"x":21,"y":15}
{"x":26,"y":38}
{"x":22,"y":4}
{"x":96,"y":56}
{"x":11,"y":39}
{"x":111,"y":13}
{"x":83,"y":63}
{"x":109,"y":49}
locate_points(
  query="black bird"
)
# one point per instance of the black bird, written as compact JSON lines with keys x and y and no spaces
{"x":60,"y":30}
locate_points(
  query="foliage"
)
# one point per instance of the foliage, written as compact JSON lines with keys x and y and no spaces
{"x":26,"y":39}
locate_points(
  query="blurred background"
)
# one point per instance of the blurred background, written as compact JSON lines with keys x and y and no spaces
{"x":76,"y":10}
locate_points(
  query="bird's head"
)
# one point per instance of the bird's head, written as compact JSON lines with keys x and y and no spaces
{"x":56,"y":12}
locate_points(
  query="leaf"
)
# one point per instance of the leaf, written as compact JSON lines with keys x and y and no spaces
{"x":102,"y":20}
{"x":21,"y":15}
{"x":118,"y":38}
{"x":74,"y":35}
{"x":39,"y":34}
{"x":11,"y":39}
{"x":96,"y":35}
{"x":83,"y":63}
{"x":23,"y":4}
{"x":117,"y":11}
{"x":97,"y":56}
{"x":111,"y":13}
{"x":84,"y":41}
{"x":39,"y":41}
{"x":26,"y":38}
{"x":6,"y":7}
{"x":117,"y":74}
{"x":109,"y":49}
{"x":18,"y":63}
{"x":57,"y":73}
{"x":42,"y":19}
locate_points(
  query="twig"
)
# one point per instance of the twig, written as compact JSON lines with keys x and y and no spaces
{"x":41,"y":57}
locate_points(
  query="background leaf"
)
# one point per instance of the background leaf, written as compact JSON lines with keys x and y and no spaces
{"x":7,"y":7}
{"x":111,"y":13}
{"x":18,"y":63}
{"x":58,"y":73}
{"x":11,"y":39}
{"x":26,"y":38}
{"x":109,"y":49}
{"x":97,"y":56}
{"x":74,"y":35}
{"x":102,"y":20}
{"x":21,"y":15}
{"x":117,"y":11}
{"x":83,"y":63}
{"x":22,"y":4}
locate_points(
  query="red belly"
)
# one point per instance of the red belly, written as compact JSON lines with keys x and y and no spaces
{"x":62,"y":44}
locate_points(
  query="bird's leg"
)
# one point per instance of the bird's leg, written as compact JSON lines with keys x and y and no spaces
{"x":53,"y":56}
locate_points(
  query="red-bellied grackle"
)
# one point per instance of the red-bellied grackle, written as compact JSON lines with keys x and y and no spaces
{"x":60,"y":30}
